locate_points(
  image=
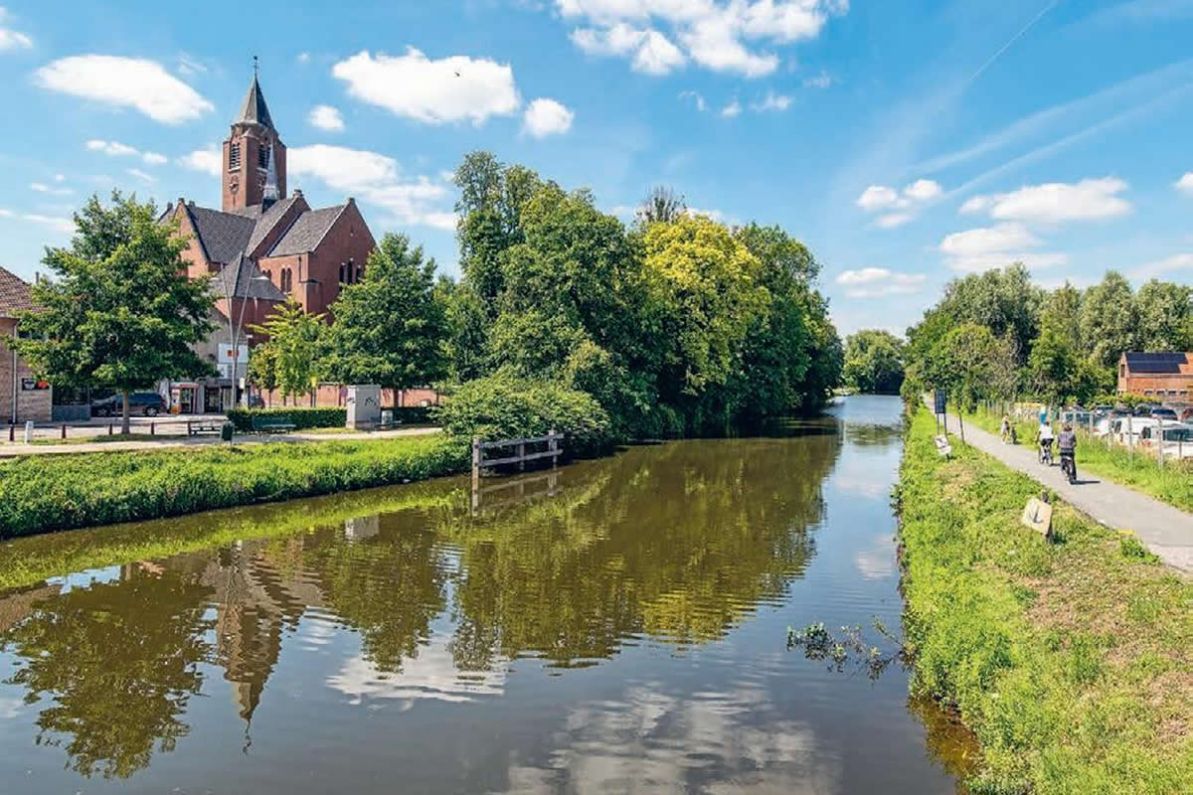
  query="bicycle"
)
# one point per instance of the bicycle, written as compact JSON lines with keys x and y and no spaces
{"x":1068,"y":465}
{"x":1045,"y":453}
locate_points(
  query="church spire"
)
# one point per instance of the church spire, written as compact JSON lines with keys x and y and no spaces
{"x":254,"y":110}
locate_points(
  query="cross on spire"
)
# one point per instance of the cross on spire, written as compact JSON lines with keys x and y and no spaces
{"x":256,"y":68}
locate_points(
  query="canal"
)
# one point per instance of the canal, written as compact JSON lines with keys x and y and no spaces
{"x":616,"y":625}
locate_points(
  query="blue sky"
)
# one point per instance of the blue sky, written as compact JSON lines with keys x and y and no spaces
{"x":904,"y":142}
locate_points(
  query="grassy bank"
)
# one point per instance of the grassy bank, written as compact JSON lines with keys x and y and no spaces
{"x":1072,"y":661}
{"x":43,"y":493}
{"x":1172,"y":483}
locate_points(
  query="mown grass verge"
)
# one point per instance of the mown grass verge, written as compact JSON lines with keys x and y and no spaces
{"x":1171,"y":483}
{"x":43,"y":493}
{"x":1071,"y":661}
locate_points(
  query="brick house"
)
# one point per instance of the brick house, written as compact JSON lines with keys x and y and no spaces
{"x":1166,"y":377}
{"x":22,"y":398}
{"x":263,"y":245}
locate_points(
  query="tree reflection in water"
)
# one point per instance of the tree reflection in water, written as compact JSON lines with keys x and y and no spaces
{"x":678,"y":542}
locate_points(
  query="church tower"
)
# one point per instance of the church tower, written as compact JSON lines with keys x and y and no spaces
{"x":254,"y":160}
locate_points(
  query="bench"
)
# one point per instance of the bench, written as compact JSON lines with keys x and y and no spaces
{"x":203,"y":428}
{"x":272,"y":425}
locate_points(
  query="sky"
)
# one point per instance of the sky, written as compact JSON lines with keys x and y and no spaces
{"x":904,"y":142}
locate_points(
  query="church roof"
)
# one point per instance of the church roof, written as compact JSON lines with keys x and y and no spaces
{"x":15,"y":295}
{"x":268,"y":218}
{"x":254,"y":110}
{"x":243,"y":279}
{"x":224,"y":236}
{"x":306,"y":232}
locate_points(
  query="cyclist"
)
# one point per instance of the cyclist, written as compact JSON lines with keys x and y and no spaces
{"x":1044,"y":438}
{"x":1067,"y":443}
{"x":1005,"y":429}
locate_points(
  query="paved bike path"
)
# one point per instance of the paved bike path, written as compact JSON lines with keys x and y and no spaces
{"x":1167,"y":531}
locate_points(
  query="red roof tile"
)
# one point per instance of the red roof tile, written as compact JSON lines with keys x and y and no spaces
{"x":14,"y":294}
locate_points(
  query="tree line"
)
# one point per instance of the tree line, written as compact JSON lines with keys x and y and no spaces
{"x":998,"y":336}
{"x":673,"y":324}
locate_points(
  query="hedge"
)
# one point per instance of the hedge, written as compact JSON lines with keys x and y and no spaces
{"x":302,"y":418}
{"x":43,"y":493}
{"x":411,"y":415}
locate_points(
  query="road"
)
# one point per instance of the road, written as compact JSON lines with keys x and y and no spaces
{"x":1167,"y":531}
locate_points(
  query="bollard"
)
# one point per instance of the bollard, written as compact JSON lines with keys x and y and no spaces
{"x":152,"y":429}
{"x":12,"y":433}
{"x":28,"y":431}
{"x":109,"y":429}
{"x":63,"y":431}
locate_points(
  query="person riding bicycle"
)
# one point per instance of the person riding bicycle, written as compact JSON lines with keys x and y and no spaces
{"x":1067,"y":443}
{"x":1005,"y":430}
{"x":1044,"y":438}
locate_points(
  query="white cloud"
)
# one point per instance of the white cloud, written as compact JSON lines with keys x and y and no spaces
{"x":721,"y":35}
{"x":325,"y":117}
{"x":822,"y":80}
{"x":141,"y":175}
{"x":62,"y":225}
{"x":898,"y":208}
{"x":303,"y":57}
{"x":125,"y":82}
{"x":651,"y":52}
{"x":375,"y":178}
{"x":452,"y":89}
{"x":731,"y":110}
{"x":1185,"y":183}
{"x":879,"y":282}
{"x":697,"y":99}
{"x":117,"y":149}
{"x":976,"y":250}
{"x":545,"y":117}
{"x":208,"y":160}
{"x":772,"y":102}
{"x":41,"y":187}
{"x":1055,"y":202}
{"x":11,"y":39}
{"x":1160,"y":268}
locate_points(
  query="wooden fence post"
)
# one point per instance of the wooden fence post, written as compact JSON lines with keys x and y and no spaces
{"x":553,"y":447}
{"x":476,"y":471}
{"x":64,"y":430}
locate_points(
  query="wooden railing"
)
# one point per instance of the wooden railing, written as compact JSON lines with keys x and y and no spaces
{"x":551,"y":446}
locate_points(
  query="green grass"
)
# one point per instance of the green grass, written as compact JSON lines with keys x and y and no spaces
{"x":1171,"y":483}
{"x":1072,"y":661}
{"x":43,"y":493}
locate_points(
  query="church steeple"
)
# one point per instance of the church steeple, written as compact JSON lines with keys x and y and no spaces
{"x":254,"y":155}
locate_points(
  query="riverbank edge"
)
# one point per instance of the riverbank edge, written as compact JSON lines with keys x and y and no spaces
{"x":1072,"y":662}
{"x":40,"y":495}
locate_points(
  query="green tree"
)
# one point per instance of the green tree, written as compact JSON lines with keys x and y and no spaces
{"x":1003,"y":300}
{"x":963,"y":364}
{"x":1165,"y":313}
{"x":1109,"y":323}
{"x":119,"y":311}
{"x":874,"y":362}
{"x":295,"y":341}
{"x":389,"y":328}
{"x":661,"y":205}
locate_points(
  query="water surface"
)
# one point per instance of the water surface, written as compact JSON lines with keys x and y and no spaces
{"x":616,"y":625}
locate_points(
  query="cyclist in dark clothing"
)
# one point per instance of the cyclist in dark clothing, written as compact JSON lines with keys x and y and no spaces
{"x":1067,"y":443}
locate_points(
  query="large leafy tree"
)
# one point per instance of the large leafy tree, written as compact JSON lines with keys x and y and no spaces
{"x":964,"y":364}
{"x":1003,"y":300}
{"x":119,"y":311}
{"x":1165,"y":314}
{"x":1109,"y":323}
{"x":389,"y":328}
{"x":294,"y":347}
{"x":874,"y":362}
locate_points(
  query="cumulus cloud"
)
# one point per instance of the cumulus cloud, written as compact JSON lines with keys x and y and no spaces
{"x":117,"y":149}
{"x":731,"y":110}
{"x":1055,"y":202}
{"x":771,"y":102}
{"x":50,"y":190}
{"x":545,"y":117}
{"x":136,"y":83}
{"x":325,"y":117}
{"x":659,"y":36}
{"x":897,"y":207}
{"x":207,"y":160}
{"x":976,"y":250}
{"x":649,"y":51}
{"x":879,"y":282}
{"x":1185,"y":184}
{"x":11,"y":39}
{"x":61,"y":225}
{"x":453,"y":89}
{"x":376,"y":179}
{"x":1177,"y":263}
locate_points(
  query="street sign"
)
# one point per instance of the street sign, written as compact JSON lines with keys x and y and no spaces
{"x":939,"y":401}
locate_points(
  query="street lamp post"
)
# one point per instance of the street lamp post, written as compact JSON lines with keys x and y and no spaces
{"x":234,"y":330}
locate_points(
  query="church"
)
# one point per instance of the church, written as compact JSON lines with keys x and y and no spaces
{"x":262,"y":246}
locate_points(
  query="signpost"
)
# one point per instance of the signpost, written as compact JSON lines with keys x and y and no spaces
{"x":940,"y":408}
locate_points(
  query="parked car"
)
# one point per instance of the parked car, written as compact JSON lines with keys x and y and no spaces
{"x":1185,"y":414}
{"x":1160,"y":413}
{"x":148,"y":403}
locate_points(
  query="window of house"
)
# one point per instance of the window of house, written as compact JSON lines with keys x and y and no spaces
{"x":234,"y":157}
{"x":287,"y":280}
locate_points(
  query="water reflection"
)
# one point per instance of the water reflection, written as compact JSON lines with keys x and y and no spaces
{"x":413,"y":597}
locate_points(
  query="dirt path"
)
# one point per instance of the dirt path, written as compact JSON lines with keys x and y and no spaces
{"x":1167,"y":531}
{"x":167,"y":443}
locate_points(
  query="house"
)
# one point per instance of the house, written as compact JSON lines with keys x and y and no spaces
{"x":1164,"y":377}
{"x":22,"y":397}
{"x":263,"y":245}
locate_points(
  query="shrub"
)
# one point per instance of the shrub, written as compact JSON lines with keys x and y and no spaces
{"x":502,"y":407}
{"x":301,"y":417}
{"x":42,"y":493}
